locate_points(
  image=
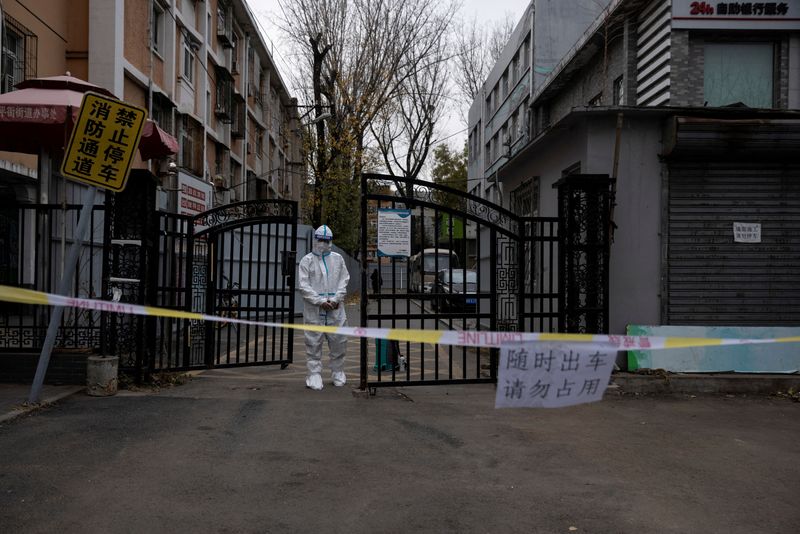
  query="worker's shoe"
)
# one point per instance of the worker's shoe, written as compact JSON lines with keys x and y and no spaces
{"x":339,"y":378}
{"x":314,"y":381}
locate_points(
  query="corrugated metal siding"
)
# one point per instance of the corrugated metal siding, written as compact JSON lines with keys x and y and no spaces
{"x":711,"y":279}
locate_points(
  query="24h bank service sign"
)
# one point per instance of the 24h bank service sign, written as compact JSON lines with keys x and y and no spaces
{"x":103,"y":142}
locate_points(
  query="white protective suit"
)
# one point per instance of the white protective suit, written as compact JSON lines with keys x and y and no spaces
{"x":323,"y":277}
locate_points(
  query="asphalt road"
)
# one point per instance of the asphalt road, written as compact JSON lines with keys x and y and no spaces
{"x":251,"y":450}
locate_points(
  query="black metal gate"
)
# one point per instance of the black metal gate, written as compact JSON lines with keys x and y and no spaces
{"x":234,"y":261}
{"x":473,"y":265}
{"x":249,"y":250}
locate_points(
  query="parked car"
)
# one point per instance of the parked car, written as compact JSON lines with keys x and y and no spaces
{"x":457,"y":290}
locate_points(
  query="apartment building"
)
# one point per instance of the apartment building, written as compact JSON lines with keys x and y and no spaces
{"x":201,"y":68}
{"x":691,"y":108}
{"x":499,"y":120}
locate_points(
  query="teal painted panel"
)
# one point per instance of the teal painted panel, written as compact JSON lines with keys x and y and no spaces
{"x":767,"y":358}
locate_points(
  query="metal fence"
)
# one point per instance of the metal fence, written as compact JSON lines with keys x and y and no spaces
{"x":34,"y":242}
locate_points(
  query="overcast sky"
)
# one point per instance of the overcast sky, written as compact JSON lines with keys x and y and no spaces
{"x":484,"y":10}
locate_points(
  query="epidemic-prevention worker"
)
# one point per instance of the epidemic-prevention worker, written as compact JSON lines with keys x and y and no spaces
{"x":322,"y":282}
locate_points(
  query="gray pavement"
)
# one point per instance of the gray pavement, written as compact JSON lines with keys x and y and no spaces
{"x":252,"y":450}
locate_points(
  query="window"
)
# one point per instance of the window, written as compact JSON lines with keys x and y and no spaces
{"x":260,"y":143}
{"x":514,"y":126}
{"x":188,"y":61}
{"x":504,"y":85}
{"x":19,"y":54}
{"x":162,"y":111}
{"x":223,"y":105}
{"x":237,"y":120}
{"x":597,"y":100}
{"x":523,"y":54}
{"x":157,"y":27}
{"x":191,"y":145}
{"x":515,"y":74}
{"x":224,"y":24}
{"x":738,"y":73}
{"x":525,"y":198}
{"x":619,"y":91}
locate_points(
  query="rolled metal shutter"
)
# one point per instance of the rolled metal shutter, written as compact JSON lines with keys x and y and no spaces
{"x":712,"y":280}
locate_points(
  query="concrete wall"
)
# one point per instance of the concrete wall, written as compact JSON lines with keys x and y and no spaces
{"x":636,"y":253}
{"x":635,"y":271}
{"x":106,"y":44}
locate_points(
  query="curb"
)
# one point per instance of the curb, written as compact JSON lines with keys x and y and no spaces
{"x":755,"y":384}
{"x":13,"y":414}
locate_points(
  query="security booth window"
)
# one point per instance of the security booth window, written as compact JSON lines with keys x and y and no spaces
{"x":739,"y":73}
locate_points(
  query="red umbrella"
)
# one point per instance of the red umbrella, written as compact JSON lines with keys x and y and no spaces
{"x":41,"y":112}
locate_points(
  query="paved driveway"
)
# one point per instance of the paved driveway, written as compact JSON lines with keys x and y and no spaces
{"x":251,"y":450}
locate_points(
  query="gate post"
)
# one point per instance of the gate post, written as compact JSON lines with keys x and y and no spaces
{"x":584,"y":201}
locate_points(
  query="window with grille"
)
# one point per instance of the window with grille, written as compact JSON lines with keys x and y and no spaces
{"x":223,"y":104}
{"x":525,"y":198}
{"x":162,"y":112}
{"x":19,"y":54}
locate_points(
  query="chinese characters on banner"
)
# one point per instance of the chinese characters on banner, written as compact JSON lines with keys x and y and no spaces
{"x":103,"y":142}
{"x":552,"y":375}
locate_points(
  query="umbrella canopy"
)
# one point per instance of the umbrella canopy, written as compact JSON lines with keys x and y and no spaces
{"x":40,"y":115}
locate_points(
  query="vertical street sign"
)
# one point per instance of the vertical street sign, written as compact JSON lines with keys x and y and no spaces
{"x":99,"y":154}
{"x":103,"y":142}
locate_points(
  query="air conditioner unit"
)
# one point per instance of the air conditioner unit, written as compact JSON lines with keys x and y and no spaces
{"x":220,"y":182}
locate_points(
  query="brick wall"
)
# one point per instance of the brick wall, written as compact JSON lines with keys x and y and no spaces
{"x":592,"y":80}
{"x":687,"y":66}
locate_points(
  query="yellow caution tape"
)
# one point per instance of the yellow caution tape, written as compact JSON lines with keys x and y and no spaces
{"x":469,"y":338}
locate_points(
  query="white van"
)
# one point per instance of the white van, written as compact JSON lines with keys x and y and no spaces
{"x":424,"y":265}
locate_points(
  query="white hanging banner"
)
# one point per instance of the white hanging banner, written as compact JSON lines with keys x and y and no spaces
{"x":552,"y":375}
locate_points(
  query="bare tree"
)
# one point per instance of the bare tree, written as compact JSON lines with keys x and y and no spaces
{"x":357,"y":55}
{"x":404,"y":128}
{"x":477,"y":50}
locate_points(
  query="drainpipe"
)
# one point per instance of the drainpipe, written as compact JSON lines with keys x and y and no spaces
{"x":612,"y":226}
{"x":2,"y":37}
{"x":150,"y":72}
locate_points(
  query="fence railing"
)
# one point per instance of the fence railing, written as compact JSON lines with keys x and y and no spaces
{"x":34,"y":243}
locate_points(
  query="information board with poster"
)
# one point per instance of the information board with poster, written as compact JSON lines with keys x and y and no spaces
{"x":394,"y":233}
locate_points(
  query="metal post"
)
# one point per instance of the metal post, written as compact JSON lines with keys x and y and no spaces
{"x":63,"y":289}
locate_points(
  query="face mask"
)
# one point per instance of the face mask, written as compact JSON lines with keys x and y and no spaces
{"x":322,"y":247}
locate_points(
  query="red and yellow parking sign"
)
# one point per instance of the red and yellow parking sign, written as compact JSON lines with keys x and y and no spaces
{"x":103,"y":142}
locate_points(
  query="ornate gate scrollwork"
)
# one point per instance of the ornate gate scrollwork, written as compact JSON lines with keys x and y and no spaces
{"x":583,"y":206}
